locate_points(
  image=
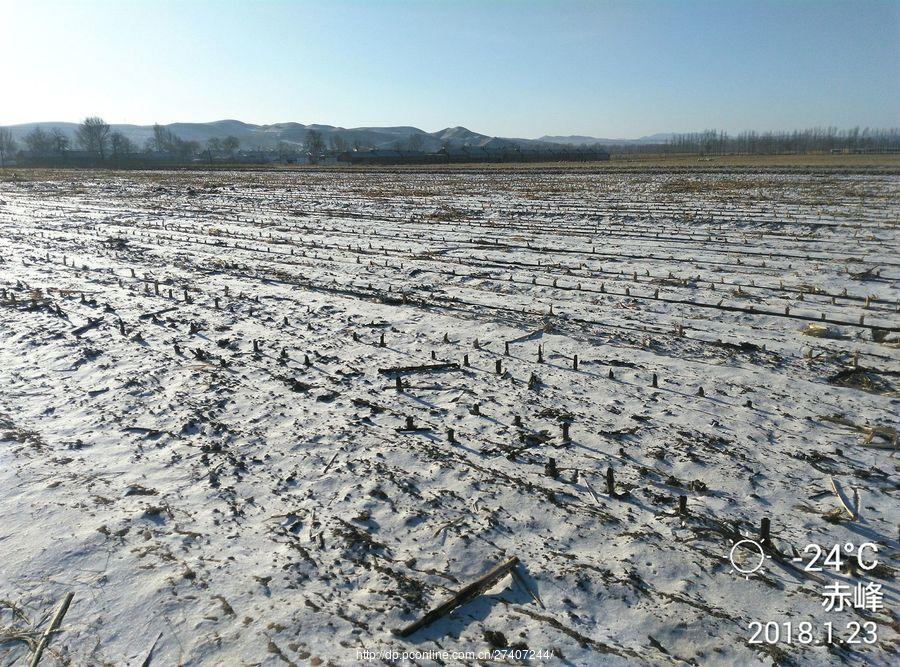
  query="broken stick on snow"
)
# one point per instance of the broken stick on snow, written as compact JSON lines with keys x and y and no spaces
{"x":423,"y":368}
{"x":852,"y":508}
{"x":45,"y":638}
{"x":466,"y":594}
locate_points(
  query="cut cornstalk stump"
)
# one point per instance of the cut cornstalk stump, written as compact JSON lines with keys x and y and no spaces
{"x":550,"y":468}
{"x":765,"y":526}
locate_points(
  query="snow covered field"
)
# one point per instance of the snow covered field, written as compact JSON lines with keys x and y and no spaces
{"x":203,"y":439}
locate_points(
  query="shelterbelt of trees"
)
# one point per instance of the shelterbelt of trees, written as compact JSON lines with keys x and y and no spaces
{"x":814,"y":140}
{"x":95,"y":142}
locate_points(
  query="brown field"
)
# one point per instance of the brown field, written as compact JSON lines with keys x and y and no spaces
{"x":756,"y":161}
{"x":866,"y":164}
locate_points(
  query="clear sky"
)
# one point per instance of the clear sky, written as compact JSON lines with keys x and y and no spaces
{"x":502,"y":67}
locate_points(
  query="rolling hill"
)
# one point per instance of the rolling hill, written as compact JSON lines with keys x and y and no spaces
{"x":268,"y":136}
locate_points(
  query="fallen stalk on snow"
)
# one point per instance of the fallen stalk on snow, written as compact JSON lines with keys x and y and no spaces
{"x":92,"y":324}
{"x":591,"y":490}
{"x":156,"y":313}
{"x":464,"y":595}
{"x":844,"y":500}
{"x":425,"y":368}
{"x":54,"y":624}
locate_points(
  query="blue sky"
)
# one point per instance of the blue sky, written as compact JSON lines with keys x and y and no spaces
{"x":502,"y":67}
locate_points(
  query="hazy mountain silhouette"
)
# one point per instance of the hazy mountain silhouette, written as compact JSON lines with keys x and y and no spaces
{"x":268,"y":136}
{"x":578,"y":139}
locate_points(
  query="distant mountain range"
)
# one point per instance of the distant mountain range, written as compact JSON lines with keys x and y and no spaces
{"x":578,"y":139}
{"x":268,"y":136}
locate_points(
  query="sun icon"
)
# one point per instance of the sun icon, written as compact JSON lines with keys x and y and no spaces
{"x":743,"y":564}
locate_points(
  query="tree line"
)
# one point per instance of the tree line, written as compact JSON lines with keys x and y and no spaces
{"x":95,"y":137}
{"x":812,"y":140}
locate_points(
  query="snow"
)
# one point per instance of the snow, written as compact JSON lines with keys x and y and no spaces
{"x":221,"y":506}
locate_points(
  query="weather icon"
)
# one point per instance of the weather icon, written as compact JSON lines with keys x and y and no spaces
{"x":746,"y":557}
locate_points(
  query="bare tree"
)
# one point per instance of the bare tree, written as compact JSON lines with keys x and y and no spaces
{"x":186,"y":149}
{"x":160,"y":139}
{"x":93,"y":135}
{"x":230,"y":144}
{"x":39,"y":142}
{"x":7,"y":145}
{"x":60,"y":141}
{"x":315,"y":145}
{"x":213,"y":147}
{"x":121,"y":145}
{"x":338,"y":143}
{"x":165,"y":141}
